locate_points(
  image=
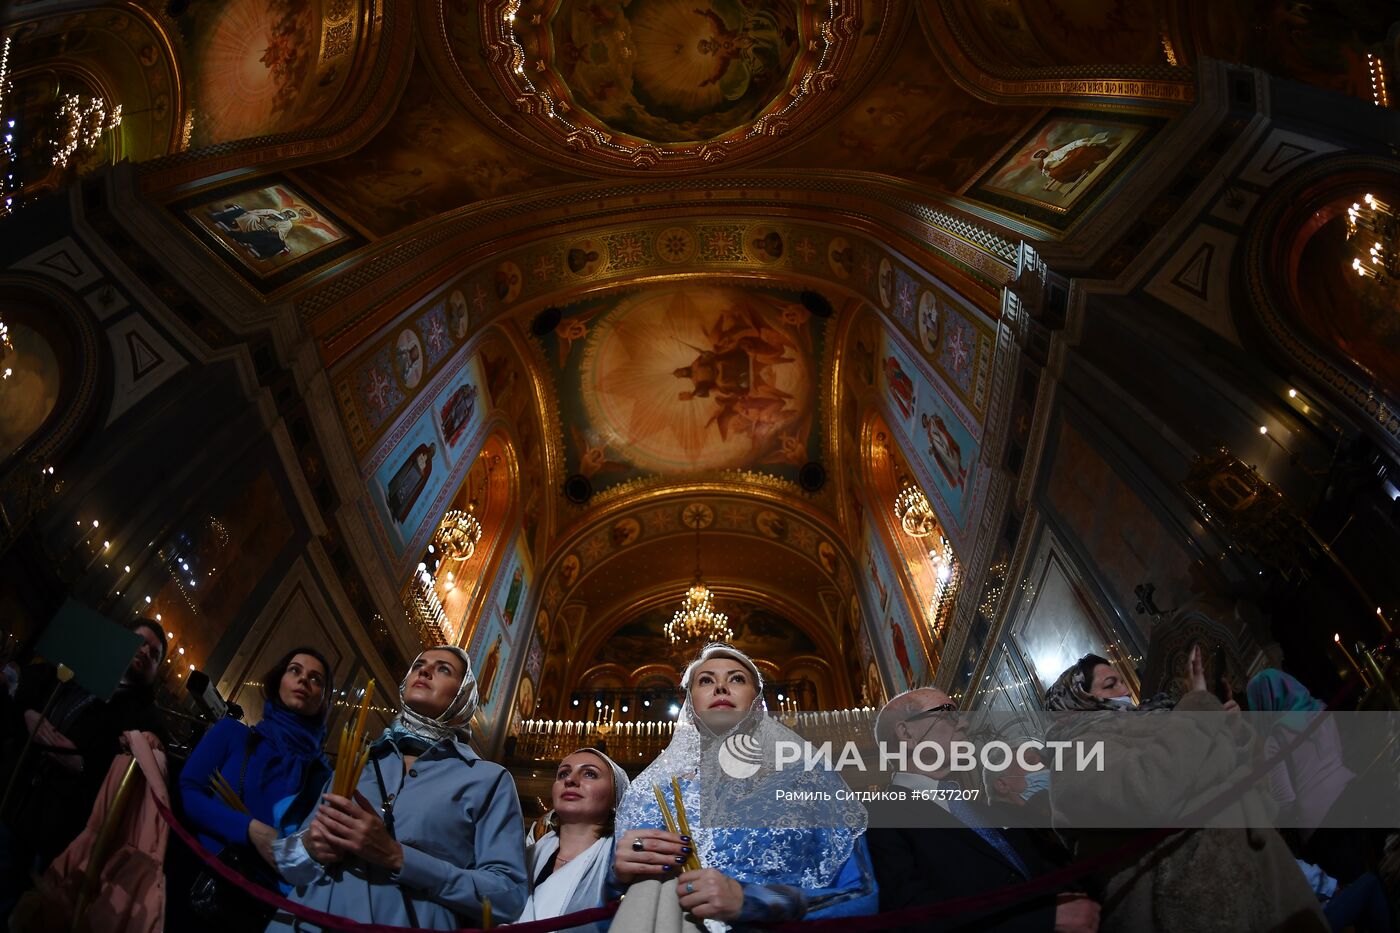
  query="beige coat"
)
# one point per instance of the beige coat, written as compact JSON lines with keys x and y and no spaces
{"x":1226,"y":880}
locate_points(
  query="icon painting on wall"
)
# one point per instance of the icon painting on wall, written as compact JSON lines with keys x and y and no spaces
{"x":1055,"y":168}
{"x":269,"y":231}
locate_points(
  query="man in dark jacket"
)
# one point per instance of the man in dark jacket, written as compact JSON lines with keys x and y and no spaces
{"x":74,"y":747}
{"x":938,"y":848}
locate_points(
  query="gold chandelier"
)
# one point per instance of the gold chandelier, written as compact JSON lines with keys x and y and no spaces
{"x":1373,"y":226}
{"x":914,"y":513}
{"x":458,"y":534}
{"x":697,"y":620}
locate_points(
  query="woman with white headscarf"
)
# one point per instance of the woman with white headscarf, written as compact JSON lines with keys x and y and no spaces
{"x":432,"y":829}
{"x":568,"y":865}
{"x":774,"y":843}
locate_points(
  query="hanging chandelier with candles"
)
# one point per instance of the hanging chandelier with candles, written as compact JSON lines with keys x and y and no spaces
{"x":458,"y":534}
{"x":1373,"y":230}
{"x":914,"y":513}
{"x":697,"y":620}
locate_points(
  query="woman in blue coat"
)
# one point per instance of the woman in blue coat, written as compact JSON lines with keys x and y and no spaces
{"x":276,"y":766}
{"x":431,"y":832}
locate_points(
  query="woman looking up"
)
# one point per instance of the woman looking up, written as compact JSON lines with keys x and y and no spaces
{"x":569,"y":864}
{"x":766,"y":854}
{"x":275,"y":768}
{"x":431,"y":830}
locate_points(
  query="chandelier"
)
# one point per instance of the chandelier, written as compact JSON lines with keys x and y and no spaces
{"x":83,"y":121}
{"x":426,"y":612}
{"x":1373,"y":226}
{"x":914,"y":513}
{"x":697,"y":620}
{"x":458,"y":534}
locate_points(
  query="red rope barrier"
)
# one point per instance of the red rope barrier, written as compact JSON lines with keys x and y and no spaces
{"x":346,"y":925}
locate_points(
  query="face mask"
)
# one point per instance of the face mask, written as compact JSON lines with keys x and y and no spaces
{"x":1036,"y":781}
{"x":1119,"y":702}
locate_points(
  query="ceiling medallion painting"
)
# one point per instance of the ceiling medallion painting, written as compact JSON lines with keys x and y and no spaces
{"x":686,"y":378}
{"x":668,"y":83}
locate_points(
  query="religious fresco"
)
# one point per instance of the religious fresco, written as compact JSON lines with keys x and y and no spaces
{"x":391,"y":371}
{"x":497,"y":640}
{"x":679,"y":379}
{"x":897,"y":641}
{"x":428,"y":159}
{"x":407,"y":483}
{"x":735,"y":517}
{"x":914,"y":123}
{"x":30,"y":390}
{"x":509,"y":391}
{"x":674,"y":70}
{"x":458,"y":409}
{"x":411,"y":475}
{"x":1043,"y":33}
{"x":270,"y":232}
{"x":259,"y":67}
{"x":1054,"y":172}
{"x":942,"y":449}
{"x":961,"y":341}
{"x":759,"y":630}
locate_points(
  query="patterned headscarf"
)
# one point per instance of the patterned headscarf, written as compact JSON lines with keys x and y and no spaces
{"x":454,"y":722}
{"x":1070,"y":692}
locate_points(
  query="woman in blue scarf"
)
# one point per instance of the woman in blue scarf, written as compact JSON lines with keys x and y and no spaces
{"x":276,"y":767}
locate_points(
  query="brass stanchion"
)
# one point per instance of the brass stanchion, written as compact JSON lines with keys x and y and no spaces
{"x":106,"y":836}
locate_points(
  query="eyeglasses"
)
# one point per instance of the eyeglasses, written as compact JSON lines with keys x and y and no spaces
{"x":945,"y":708}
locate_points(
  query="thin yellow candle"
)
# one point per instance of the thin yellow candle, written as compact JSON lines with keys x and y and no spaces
{"x":665,"y":809}
{"x":486,"y":913}
{"x":692,"y":861}
{"x":1350,"y":660}
{"x":351,"y":760}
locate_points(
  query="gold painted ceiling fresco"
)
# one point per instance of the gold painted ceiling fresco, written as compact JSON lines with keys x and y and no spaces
{"x":602,"y":224}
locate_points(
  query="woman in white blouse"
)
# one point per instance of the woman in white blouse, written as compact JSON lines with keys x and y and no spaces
{"x":569,"y":864}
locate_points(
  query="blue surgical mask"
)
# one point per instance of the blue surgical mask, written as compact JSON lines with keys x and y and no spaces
{"x":1125,"y":702}
{"x":1036,"y":781}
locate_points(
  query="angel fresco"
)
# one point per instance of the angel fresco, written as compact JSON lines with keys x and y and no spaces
{"x":675,"y":70}
{"x":742,"y":55}
{"x":1067,"y":165}
{"x":736,"y":374}
{"x":593,"y":455}
{"x":686,"y":377}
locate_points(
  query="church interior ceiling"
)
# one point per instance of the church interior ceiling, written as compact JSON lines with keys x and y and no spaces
{"x":577,"y":267}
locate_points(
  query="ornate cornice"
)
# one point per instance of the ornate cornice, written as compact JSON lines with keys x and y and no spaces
{"x":1138,"y":86}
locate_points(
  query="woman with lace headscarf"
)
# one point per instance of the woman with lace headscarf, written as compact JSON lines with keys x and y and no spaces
{"x":568,"y":866}
{"x":431,"y":831}
{"x":1160,"y":766}
{"x":774,"y":843}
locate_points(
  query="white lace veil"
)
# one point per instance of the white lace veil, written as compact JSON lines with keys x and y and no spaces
{"x":740,"y":823}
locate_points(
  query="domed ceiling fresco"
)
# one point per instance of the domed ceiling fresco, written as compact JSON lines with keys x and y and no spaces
{"x":678,"y":379}
{"x":668,"y":71}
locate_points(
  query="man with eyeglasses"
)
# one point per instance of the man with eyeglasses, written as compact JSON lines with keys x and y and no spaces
{"x":934,"y":846}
